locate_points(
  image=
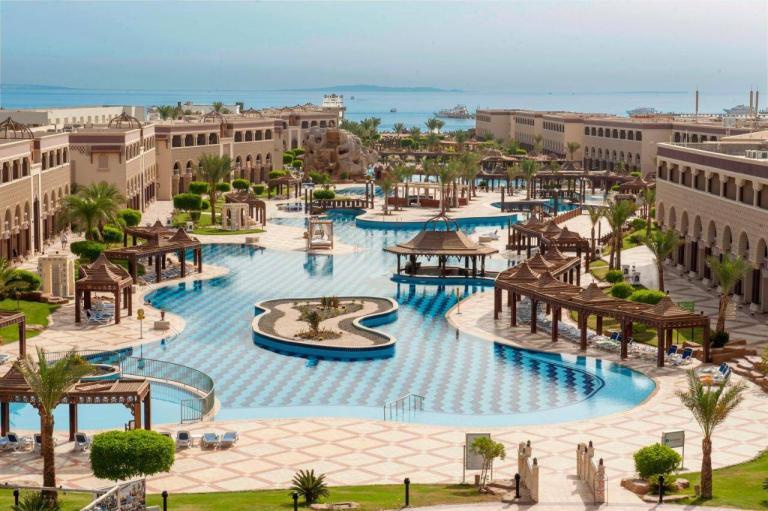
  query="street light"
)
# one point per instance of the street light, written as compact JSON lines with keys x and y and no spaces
{"x":309,"y":186}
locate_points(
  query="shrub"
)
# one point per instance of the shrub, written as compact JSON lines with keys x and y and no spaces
{"x":86,"y":249}
{"x":521,"y":152}
{"x":35,"y":501}
{"x":320,"y":178}
{"x":188,"y":201}
{"x":298,"y":151}
{"x":634,"y":174}
{"x":259,"y":189}
{"x":241,"y":184}
{"x":650,"y":296}
{"x":223,"y":187}
{"x":637,"y":238}
{"x":622,"y":290}
{"x":121,"y":455}
{"x":297,"y":164}
{"x":614,"y":276}
{"x":205,"y":204}
{"x":407,"y":143}
{"x":655,"y":460}
{"x":720,"y":339}
{"x":344,"y":175}
{"x":25,"y":280}
{"x":324,"y":194}
{"x":274,"y":174}
{"x":615,"y":188}
{"x":309,"y":486}
{"x":112,"y":234}
{"x":131,"y":217}
{"x":198,"y":187}
{"x":194,"y":216}
{"x":287,"y":158}
{"x":637,"y":224}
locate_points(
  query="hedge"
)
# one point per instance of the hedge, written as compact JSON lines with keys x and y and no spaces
{"x":131,"y":217}
{"x":112,"y":234}
{"x":122,"y":455}
{"x":259,"y":189}
{"x":188,"y":201}
{"x":651,"y":296}
{"x":86,"y":249}
{"x":223,"y":187}
{"x":31,"y":280}
{"x":198,"y":187}
{"x":622,"y":290}
{"x":324,"y":194}
{"x":655,"y":460}
{"x":241,"y":184}
{"x":274,"y":174}
{"x":614,"y":276}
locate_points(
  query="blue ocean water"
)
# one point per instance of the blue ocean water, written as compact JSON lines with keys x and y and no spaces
{"x":466,"y":381}
{"x":413,"y":108}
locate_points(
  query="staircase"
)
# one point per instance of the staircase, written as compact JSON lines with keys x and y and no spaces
{"x":404,"y":409}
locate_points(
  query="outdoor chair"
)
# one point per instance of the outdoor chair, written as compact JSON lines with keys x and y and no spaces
{"x":683,"y":358}
{"x":229,"y":439}
{"x":12,"y":442}
{"x":95,"y":317}
{"x":672,"y":351}
{"x":209,"y":440}
{"x":82,"y":442}
{"x":38,"y":446}
{"x":183,"y":439}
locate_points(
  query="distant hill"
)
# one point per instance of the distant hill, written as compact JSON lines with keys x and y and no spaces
{"x":372,"y":88}
{"x":32,"y":86}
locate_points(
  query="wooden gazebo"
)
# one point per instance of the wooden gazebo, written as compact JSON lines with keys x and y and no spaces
{"x":155,"y":251}
{"x":537,"y":233}
{"x":288,"y":183}
{"x":103,"y":276}
{"x":636,"y":186}
{"x":8,"y":318}
{"x":147,"y":232}
{"x":443,"y":244}
{"x":133,"y":393}
{"x":257,"y":208}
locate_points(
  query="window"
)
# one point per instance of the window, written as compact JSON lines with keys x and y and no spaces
{"x":103,"y":162}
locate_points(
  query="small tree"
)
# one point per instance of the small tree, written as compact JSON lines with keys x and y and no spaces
{"x":121,"y":455}
{"x":728,"y":273}
{"x":241,"y":184}
{"x":309,"y":486}
{"x":654,"y":461}
{"x":189,"y":202}
{"x":198,"y":187}
{"x":489,"y":450}
{"x":572,"y":148}
{"x":662,"y":244}
{"x":130,"y":217}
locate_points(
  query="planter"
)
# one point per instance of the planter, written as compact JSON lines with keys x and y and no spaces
{"x":162,"y":325}
{"x":104,"y":372}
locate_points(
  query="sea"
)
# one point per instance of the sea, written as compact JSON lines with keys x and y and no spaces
{"x":412,"y":108}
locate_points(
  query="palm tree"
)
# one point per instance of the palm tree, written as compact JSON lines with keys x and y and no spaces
{"x":386,"y":183}
{"x":537,"y":143}
{"x":649,"y":199}
{"x":595,"y":214}
{"x":617,"y":215}
{"x":399,"y":174}
{"x":727,"y":273}
{"x":662,"y":244}
{"x":710,"y":407}
{"x":166,"y":111}
{"x":529,"y":169}
{"x":94,"y":206}
{"x":460,"y":137}
{"x":572,"y":148}
{"x":9,"y":281}
{"x":432,"y":139}
{"x":439,"y":125}
{"x":415,"y":133}
{"x":398,"y":127}
{"x":445,"y":174}
{"x":431,"y":124}
{"x":213,"y":169}
{"x":49,"y":383}
{"x":218,"y":106}
{"x":470,"y":167}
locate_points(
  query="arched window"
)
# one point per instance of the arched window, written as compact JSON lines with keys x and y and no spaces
{"x":65,"y":155}
{"x":189,"y":140}
{"x":176,"y":169}
{"x":25,"y":167}
{"x":15,"y":169}
{"x":248,"y":136}
{"x":638,"y":135}
{"x":586,"y":130}
{"x":189,"y":167}
{"x":248,"y":162}
{"x":213,"y":138}
{"x":268,"y":135}
{"x":176,"y":141}
{"x":304,"y":124}
{"x":50,"y":159}
{"x":600,"y":132}
{"x":201,"y":139}
{"x":677,"y":136}
{"x":259,"y":135}
{"x":313,"y":124}
{"x":238,"y":136}
{"x":238,"y":162}
{"x":331,"y":123}
{"x":322,"y":124}
{"x":615,"y":133}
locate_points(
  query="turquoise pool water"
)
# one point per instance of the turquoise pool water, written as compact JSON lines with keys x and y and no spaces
{"x":466,"y":381}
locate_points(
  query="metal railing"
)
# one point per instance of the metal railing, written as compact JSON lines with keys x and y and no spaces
{"x":404,"y":408}
{"x":192,"y":409}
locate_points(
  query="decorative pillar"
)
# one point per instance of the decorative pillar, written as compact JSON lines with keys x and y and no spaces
{"x":534,"y":314}
{"x":5,"y":417}
{"x":147,"y":410}
{"x":72,"y":421}
{"x":496,"y":302}
{"x":23,"y":337}
{"x":583,"y":331}
{"x":513,"y":320}
{"x":660,"y":345}
{"x":555,"y":322}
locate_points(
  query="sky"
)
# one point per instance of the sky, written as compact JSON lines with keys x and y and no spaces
{"x":521,"y":46}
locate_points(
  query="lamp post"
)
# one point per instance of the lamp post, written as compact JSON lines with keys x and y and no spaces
{"x":140,"y":316}
{"x":309,"y":186}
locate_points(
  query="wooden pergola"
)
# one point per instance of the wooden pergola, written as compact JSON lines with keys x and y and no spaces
{"x":134,"y":394}
{"x":535,"y":232}
{"x":155,"y":251}
{"x":545,"y":287}
{"x":257,"y":208}
{"x":103,"y":276}
{"x":147,"y":232}
{"x":443,"y":244}
{"x":8,"y":318}
{"x":636,"y":186}
{"x":289,"y":183}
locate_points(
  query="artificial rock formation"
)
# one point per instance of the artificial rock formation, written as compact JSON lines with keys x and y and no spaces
{"x":337,"y":152}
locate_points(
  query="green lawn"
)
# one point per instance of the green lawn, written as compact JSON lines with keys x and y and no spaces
{"x":598,"y":269}
{"x":217,"y":230}
{"x":37,"y":314}
{"x":370,"y":498}
{"x":739,"y":486}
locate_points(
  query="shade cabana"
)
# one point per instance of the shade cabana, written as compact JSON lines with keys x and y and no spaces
{"x":636,"y":186}
{"x":285,"y":183}
{"x":103,"y":276}
{"x":148,"y":232}
{"x":9,"y":318}
{"x":257,"y":208}
{"x":134,"y":394}
{"x":155,"y":251}
{"x":450,"y":242}
{"x":541,"y":234}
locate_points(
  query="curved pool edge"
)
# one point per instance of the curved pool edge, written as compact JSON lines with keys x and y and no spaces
{"x":492,"y":220}
{"x":292,"y":347}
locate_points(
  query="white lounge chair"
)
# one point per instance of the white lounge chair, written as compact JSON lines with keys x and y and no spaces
{"x":95,"y":317}
{"x":12,"y":442}
{"x":229,"y":439}
{"x":38,"y":446}
{"x":209,"y":440}
{"x":183,"y":439}
{"x":82,"y":442}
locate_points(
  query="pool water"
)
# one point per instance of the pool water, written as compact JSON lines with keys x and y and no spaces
{"x":466,"y":381}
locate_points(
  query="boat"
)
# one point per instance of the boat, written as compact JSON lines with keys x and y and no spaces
{"x":737,"y":110}
{"x":457,"y":112}
{"x":333,"y":101}
{"x":641,"y":111}
{"x":392,"y":110}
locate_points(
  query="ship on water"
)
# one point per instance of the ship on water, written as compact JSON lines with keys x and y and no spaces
{"x":642,"y":111}
{"x":457,"y":112}
{"x":334,"y":102}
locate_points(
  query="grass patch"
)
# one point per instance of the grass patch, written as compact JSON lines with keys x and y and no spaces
{"x":739,"y":486}
{"x":371,"y":498}
{"x":37,"y":314}
{"x":598,"y":269}
{"x":219,"y":230}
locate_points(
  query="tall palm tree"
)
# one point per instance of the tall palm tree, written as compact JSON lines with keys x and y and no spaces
{"x":386,"y":183}
{"x":439,"y":125}
{"x":529,"y":169}
{"x":49,"y":383}
{"x":649,"y":200}
{"x":432,"y":139}
{"x":470,"y":168}
{"x":572,"y":148}
{"x":445,"y":174}
{"x":595,"y":214}
{"x":398,"y":128}
{"x":213,"y":169}
{"x":94,"y":206}
{"x":460,"y":137}
{"x":431,"y":124}
{"x":415,"y":133}
{"x":399,"y":173}
{"x":537,"y":144}
{"x":218,"y":106}
{"x":662,"y":244}
{"x":710,"y":407}
{"x":166,"y":111}
{"x":727,"y":273}
{"x":617,"y":215}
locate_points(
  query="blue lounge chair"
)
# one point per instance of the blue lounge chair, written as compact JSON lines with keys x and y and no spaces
{"x":228,"y":439}
{"x":82,"y":442}
{"x":684,"y":358}
{"x":671,"y":351}
{"x":12,"y":442}
{"x":183,"y":439}
{"x":723,"y":373}
{"x":209,"y":440}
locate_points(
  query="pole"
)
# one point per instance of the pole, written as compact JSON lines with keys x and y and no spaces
{"x":165,"y":500}
{"x":661,"y":489}
{"x":295,"y":501}
{"x":16,"y":496}
{"x":407,"y":483}
{"x":517,"y":486}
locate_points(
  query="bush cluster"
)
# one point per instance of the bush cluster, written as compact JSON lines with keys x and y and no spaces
{"x":614,"y":276}
{"x":87,"y":249}
{"x":274,"y":174}
{"x":241,"y":184}
{"x":198,"y":187}
{"x":122,"y":455}
{"x":655,"y":460}
{"x":112,"y":234}
{"x":131,"y":217}
{"x":28,"y":280}
{"x":637,"y":224}
{"x":259,"y":189}
{"x":324,"y":194}
{"x":650,"y":296}
{"x":188,"y":201}
{"x":622,"y":290}
{"x":223,"y":187}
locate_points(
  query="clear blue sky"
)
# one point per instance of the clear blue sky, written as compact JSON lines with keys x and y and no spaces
{"x":610,"y":45}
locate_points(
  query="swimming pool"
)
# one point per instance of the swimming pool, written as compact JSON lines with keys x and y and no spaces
{"x":466,"y":381}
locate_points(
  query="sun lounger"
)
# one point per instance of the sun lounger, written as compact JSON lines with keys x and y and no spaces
{"x":82,"y":442}
{"x":209,"y":440}
{"x":682,"y":358}
{"x":96,"y":317}
{"x":723,"y":373}
{"x":183,"y":439}
{"x":38,"y":448}
{"x":12,"y":442}
{"x":228,"y":439}
{"x":672,"y":351}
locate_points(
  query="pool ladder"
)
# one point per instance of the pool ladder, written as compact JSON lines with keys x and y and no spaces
{"x":404,"y":409}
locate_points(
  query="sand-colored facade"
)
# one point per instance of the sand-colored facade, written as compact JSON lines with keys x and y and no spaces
{"x":67,"y":117}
